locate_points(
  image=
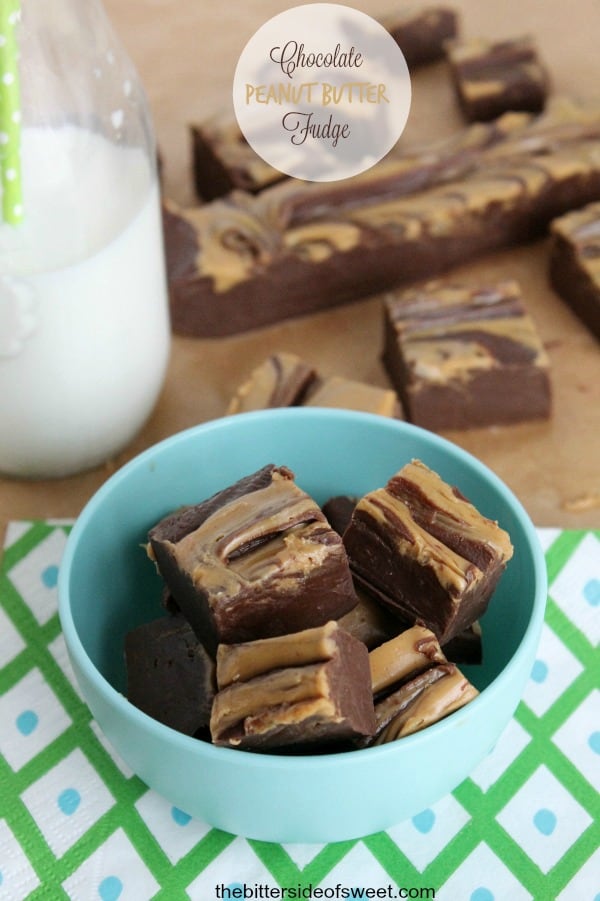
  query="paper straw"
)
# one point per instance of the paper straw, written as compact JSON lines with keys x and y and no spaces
{"x":10,"y":114}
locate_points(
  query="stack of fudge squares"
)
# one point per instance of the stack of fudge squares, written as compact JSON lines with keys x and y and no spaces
{"x":293,"y":627}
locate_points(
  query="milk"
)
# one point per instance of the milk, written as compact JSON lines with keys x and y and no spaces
{"x":84,"y":330}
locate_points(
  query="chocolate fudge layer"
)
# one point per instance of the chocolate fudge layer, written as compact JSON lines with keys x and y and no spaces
{"x":575,"y":263}
{"x":425,"y":552}
{"x":304,"y":689}
{"x":462,"y":356}
{"x":257,"y":559}
{"x":493,"y":77}
{"x":245,"y":261}
{"x":170,"y":676}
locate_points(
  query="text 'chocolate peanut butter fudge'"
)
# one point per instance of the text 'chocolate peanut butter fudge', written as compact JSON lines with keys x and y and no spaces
{"x":257,"y":559}
{"x":575,"y":263}
{"x":462,"y":356}
{"x":222,"y":159}
{"x":302,"y":689}
{"x":425,"y":552}
{"x":493,"y":77}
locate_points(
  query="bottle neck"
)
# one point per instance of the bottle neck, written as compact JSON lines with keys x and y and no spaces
{"x":74,"y":70}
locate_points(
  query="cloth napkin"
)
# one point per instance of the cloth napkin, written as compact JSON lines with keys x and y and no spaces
{"x":76,"y":823}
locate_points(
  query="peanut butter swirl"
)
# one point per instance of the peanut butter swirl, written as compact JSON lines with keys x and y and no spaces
{"x":274,"y":532}
{"x":242,"y":236}
{"x":448,"y":331}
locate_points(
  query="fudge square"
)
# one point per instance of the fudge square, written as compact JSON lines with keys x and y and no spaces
{"x":425,"y":552}
{"x":462,"y":356}
{"x":495,"y":77}
{"x":310,"y":687}
{"x":575,"y":263}
{"x":256,"y":559}
{"x":414,"y":685}
{"x":170,"y":676}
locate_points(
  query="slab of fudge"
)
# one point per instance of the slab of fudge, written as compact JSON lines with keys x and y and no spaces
{"x":281,"y":380}
{"x":465,"y":356}
{"x":170,"y":676}
{"x":424,"y":551}
{"x":307,"y":689}
{"x":493,"y":77}
{"x":575,"y":263}
{"x":255,"y":560}
{"x":241,"y":262}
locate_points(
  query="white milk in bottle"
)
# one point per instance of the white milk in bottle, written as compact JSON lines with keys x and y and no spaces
{"x":84,"y":331}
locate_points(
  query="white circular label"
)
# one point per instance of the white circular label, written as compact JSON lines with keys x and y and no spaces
{"x":321,"y":92}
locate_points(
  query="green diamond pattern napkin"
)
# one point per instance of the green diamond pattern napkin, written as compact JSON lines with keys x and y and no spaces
{"x":76,"y":823}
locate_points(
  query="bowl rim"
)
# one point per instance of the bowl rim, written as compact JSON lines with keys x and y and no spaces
{"x":290,"y":762}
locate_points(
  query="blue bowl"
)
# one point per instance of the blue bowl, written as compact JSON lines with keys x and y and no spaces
{"x":107,"y":586}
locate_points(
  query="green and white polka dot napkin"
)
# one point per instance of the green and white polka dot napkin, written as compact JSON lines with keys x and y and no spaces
{"x":76,"y":823}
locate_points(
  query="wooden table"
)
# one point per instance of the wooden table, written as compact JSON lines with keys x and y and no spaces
{"x":186,"y":54}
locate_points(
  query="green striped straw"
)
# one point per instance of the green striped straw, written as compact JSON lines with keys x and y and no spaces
{"x":10,"y":114}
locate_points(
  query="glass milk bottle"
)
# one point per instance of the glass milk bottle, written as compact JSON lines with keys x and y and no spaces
{"x":84,"y":329}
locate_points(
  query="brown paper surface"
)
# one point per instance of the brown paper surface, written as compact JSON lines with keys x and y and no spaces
{"x":186,"y":53}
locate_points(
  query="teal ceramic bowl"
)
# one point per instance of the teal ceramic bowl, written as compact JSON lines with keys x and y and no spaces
{"x":107,"y":586}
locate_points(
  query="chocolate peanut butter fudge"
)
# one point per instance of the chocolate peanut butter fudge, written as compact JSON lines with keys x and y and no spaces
{"x":575,"y":263}
{"x":310,"y":688}
{"x":255,"y":560}
{"x":170,"y":676}
{"x":462,"y":356}
{"x":424,"y":551}
{"x":413,"y":685}
{"x":281,"y":380}
{"x":285,"y":380}
{"x":422,"y":33}
{"x":493,"y":77}
{"x":245,"y":261}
